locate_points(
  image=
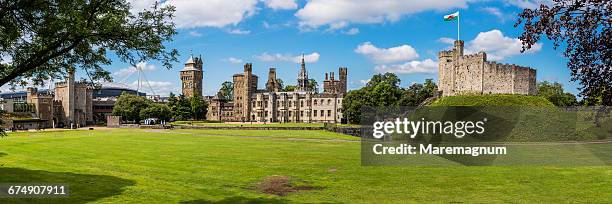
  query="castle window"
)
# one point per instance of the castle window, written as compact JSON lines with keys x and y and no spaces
{"x":315,"y":102}
{"x":322,"y":113}
{"x":328,"y":112}
{"x":301,"y":103}
{"x":315,"y":113}
{"x":328,"y":101}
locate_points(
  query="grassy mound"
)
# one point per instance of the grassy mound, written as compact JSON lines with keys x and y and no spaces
{"x":493,"y":100}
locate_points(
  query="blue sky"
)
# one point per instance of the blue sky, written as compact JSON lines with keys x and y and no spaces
{"x":368,"y":37}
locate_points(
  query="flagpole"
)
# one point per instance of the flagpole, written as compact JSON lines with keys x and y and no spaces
{"x":458,"y":19}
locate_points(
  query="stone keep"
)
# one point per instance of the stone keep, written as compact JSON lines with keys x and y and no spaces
{"x":473,"y":74}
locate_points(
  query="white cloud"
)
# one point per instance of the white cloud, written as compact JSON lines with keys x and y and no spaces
{"x":338,"y":13}
{"x":446,"y":40}
{"x":387,"y":55}
{"x":234,"y":60}
{"x":497,"y":46}
{"x":528,"y":4}
{"x":125,"y":72}
{"x":154,"y":87}
{"x":281,"y":4}
{"x":204,"y":13}
{"x":310,"y":58}
{"x":364,"y":81}
{"x":352,"y":31}
{"x":195,"y":34}
{"x":5,"y":59}
{"x":239,"y":32}
{"x":497,"y":13}
{"x":426,"y":66}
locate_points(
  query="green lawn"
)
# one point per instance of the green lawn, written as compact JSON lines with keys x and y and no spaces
{"x":217,"y":124}
{"x":209,"y":166}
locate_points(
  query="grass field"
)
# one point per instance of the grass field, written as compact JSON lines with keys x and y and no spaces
{"x":217,"y":124}
{"x":227,"y":166}
{"x":493,"y":100}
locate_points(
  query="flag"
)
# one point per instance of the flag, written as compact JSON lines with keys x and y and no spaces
{"x":452,"y":17}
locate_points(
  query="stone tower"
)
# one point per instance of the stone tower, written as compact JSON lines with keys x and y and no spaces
{"x":333,"y":85}
{"x":272,"y":84}
{"x":245,"y":85}
{"x":302,"y":79}
{"x":191,"y":77}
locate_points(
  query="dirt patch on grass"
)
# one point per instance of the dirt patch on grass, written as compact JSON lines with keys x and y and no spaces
{"x":281,"y":186}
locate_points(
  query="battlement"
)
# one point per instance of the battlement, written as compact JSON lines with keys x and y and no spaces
{"x":473,"y":74}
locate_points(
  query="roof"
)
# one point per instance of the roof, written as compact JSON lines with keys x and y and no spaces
{"x":190,"y":60}
{"x":189,"y":68}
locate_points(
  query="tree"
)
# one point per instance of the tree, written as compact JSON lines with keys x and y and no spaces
{"x":155,"y":110}
{"x":313,"y":85}
{"x":555,"y":94}
{"x":199,"y":107}
{"x":281,"y":83}
{"x":383,"y":91}
{"x":181,"y":110}
{"x":389,"y":78}
{"x":585,"y":27}
{"x":40,"y":39}
{"x":290,"y":88}
{"x":128,"y":106}
{"x":227,"y":89}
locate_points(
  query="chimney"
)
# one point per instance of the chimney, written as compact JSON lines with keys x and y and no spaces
{"x":326,"y":76}
{"x":332,"y":76}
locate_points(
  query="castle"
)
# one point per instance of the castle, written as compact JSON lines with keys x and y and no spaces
{"x":473,"y":74}
{"x":71,"y":104}
{"x":273,"y":105}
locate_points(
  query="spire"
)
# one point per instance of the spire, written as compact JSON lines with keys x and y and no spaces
{"x":303,"y":63}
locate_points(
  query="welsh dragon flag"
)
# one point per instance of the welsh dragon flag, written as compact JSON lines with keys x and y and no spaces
{"x":452,"y":17}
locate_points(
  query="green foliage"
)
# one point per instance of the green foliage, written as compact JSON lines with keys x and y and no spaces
{"x":281,"y":83}
{"x":181,"y":109}
{"x":290,"y":88}
{"x":199,"y":107}
{"x":128,"y":106}
{"x":493,"y":100}
{"x":45,"y":37}
{"x":229,"y":162}
{"x":227,"y":89}
{"x":312,"y":84}
{"x":384,"y":90}
{"x":417,"y":93}
{"x":155,"y":110}
{"x":555,"y":94}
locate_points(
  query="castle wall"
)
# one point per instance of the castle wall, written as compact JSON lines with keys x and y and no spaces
{"x":473,"y":74}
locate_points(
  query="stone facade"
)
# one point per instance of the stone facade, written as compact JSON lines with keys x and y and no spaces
{"x":473,"y":74}
{"x":272,"y":84}
{"x":219,"y":108}
{"x":70,"y":106}
{"x":331,"y":85}
{"x":245,"y":85}
{"x":191,"y":77}
{"x":273,"y":105}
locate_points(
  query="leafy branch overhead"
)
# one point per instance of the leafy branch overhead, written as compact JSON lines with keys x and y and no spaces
{"x":585,"y":28}
{"x":41,"y":39}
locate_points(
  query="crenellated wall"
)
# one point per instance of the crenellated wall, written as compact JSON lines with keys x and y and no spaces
{"x":473,"y":74}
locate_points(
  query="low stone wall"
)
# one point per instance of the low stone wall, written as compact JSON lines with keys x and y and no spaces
{"x":247,"y":128}
{"x":353,"y":131}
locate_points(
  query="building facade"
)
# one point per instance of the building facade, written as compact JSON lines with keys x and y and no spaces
{"x":273,"y":105}
{"x":70,"y":105}
{"x":473,"y":74}
{"x":191,"y":77}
